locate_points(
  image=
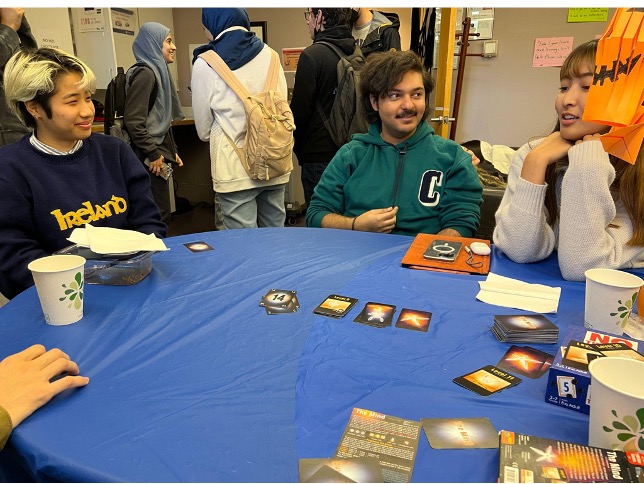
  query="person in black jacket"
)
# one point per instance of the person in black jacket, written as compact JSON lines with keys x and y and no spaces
{"x":315,"y":81}
{"x":375,"y":31}
{"x":15,"y":34}
{"x":147,"y":119}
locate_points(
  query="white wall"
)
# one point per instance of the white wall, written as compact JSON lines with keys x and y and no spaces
{"x":51,"y":24}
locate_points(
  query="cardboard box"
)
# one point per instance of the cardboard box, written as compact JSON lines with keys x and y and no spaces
{"x":570,"y":387}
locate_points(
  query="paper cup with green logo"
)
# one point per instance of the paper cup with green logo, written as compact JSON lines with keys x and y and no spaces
{"x":610,"y":296}
{"x":616,"y":404}
{"x":60,"y":282}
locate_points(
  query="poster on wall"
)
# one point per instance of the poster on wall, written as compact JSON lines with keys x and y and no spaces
{"x":52,"y":39}
{"x":290,"y":58}
{"x":587,"y":15}
{"x":91,"y":20}
{"x":551,"y":51}
{"x":123,"y":21}
{"x":482,"y":19}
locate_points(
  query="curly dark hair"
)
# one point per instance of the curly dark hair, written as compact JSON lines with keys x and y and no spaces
{"x":383,"y":70}
{"x":333,"y":16}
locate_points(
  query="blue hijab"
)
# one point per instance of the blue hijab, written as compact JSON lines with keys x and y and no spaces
{"x":167,"y":107}
{"x":236,"y":47}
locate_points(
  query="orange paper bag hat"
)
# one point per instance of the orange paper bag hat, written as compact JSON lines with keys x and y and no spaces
{"x":616,"y":97}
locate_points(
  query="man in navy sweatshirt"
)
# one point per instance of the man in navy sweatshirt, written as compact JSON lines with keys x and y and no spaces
{"x":62,"y":176}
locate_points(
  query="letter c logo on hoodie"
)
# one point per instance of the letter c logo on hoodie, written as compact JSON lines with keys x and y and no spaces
{"x":427,"y":195}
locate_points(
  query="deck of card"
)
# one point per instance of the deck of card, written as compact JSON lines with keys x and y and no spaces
{"x":520,"y":328}
{"x":278,"y":301}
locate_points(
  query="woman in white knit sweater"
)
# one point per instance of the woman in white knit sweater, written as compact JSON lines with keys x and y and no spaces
{"x":219,"y":115}
{"x":566,"y":193}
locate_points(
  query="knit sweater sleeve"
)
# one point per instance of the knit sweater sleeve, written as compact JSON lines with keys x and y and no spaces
{"x":5,"y":427}
{"x":19,"y":243}
{"x":522,"y":231}
{"x":594,"y":229}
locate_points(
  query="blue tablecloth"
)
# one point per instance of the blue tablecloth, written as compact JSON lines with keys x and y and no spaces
{"x":191,"y":380}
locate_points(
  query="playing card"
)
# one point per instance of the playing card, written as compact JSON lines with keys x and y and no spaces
{"x":335,"y":306}
{"x":460,"y":433}
{"x":487,"y":380}
{"x":198,"y":246}
{"x":577,"y":353}
{"x":618,"y":349}
{"x":376,"y":314}
{"x":413,"y":319}
{"x":351,"y":469}
{"x":524,"y":360}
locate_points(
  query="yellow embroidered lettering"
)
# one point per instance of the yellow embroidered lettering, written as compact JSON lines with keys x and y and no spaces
{"x":120,"y":205}
{"x":60,"y":219}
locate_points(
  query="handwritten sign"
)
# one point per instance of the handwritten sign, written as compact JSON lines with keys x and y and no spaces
{"x":587,"y":15}
{"x":551,"y":51}
{"x":290,"y":58}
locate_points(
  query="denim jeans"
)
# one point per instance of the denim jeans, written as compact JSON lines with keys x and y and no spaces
{"x":311,"y":174}
{"x":255,"y":207}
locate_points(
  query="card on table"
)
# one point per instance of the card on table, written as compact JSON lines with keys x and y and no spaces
{"x":579,"y":354}
{"x":351,"y":469}
{"x":278,"y":301}
{"x":487,"y":380}
{"x":376,"y":314}
{"x":460,"y":433}
{"x":335,"y":306}
{"x":198,"y":246}
{"x":413,"y":319}
{"x":618,"y":349}
{"x":524,"y":360}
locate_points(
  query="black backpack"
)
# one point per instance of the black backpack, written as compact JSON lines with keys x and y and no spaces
{"x":346,"y":117}
{"x":115,"y":103}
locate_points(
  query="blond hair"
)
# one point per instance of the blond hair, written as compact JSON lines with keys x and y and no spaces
{"x":32,"y":76}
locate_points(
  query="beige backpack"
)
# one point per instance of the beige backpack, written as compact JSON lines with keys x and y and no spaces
{"x":268,"y":150}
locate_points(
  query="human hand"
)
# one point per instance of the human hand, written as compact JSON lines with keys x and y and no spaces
{"x":475,"y":159}
{"x":12,"y":17}
{"x":156,"y":166}
{"x":552,"y":148}
{"x":589,"y":137}
{"x":381,"y":220}
{"x":24,"y":380}
{"x":178,"y":159}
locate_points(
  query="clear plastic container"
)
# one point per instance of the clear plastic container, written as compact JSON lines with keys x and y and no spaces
{"x":112,"y":269}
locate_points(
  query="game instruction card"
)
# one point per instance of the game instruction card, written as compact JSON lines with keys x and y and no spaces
{"x":393,"y":440}
{"x":460,"y":433}
{"x":356,"y":469}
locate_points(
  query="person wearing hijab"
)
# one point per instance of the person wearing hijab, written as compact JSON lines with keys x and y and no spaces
{"x":219,"y":114}
{"x":151,"y":104}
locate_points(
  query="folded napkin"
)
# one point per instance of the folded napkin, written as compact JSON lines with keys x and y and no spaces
{"x":513,"y":293}
{"x":106,"y":240}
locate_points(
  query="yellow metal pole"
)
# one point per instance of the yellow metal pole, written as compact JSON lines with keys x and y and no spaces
{"x":444,"y":72}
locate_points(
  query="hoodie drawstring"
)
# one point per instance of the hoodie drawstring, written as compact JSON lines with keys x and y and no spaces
{"x":399,"y":170}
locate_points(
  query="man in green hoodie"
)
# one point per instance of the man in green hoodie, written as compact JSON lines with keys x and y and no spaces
{"x":400,"y":177}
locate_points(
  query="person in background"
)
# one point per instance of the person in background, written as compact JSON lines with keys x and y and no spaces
{"x":62,"y":176}
{"x":148,"y":119}
{"x":565,"y":193}
{"x":220,"y":117}
{"x":26,"y":384}
{"x":400,"y":177}
{"x":315,"y":82}
{"x":375,"y":31}
{"x":15,"y":34}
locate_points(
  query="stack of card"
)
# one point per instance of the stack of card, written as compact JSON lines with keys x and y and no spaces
{"x":519,"y":328}
{"x":277,"y":301}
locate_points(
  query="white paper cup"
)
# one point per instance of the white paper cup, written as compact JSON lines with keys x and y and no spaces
{"x":60,"y":282}
{"x":617,"y":404}
{"x":610,"y":296}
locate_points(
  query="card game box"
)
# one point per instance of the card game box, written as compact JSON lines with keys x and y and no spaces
{"x":568,"y":377}
{"x":526,"y":458}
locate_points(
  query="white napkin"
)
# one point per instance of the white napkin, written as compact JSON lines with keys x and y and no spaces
{"x":107,"y":240}
{"x":513,"y":293}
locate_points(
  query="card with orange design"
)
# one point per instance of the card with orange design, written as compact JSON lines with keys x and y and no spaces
{"x":414,"y":320}
{"x":487,"y":380}
{"x":376,"y":314}
{"x":525,"y":361}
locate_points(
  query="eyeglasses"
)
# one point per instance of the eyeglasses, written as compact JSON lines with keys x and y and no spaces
{"x":307,"y":14}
